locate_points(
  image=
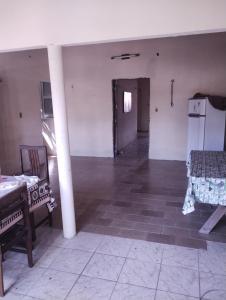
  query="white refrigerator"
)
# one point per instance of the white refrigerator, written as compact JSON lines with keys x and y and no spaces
{"x":206,"y":126}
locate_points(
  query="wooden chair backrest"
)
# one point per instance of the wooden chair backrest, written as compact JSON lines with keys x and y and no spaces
{"x":34,"y":161}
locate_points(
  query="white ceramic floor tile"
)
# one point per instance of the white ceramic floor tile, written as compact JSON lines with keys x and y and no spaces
{"x":146,"y":251}
{"x":180,"y":257}
{"x":216,"y":248}
{"x":17,"y":257}
{"x":140,"y":273}
{"x":44,"y":256}
{"x":104,"y":266}
{"x":53,"y":237}
{"x":30,"y":298}
{"x":84,"y":241}
{"x":13,"y":296}
{"x":27,"y":278}
{"x":115,"y":246}
{"x":213,"y":287}
{"x":53,"y":285}
{"x":179,"y":280}
{"x":11,"y":273}
{"x":88,"y":288}
{"x":131,"y":292}
{"x":71,"y":260}
{"x":212,"y":262}
{"x":161,"y":295}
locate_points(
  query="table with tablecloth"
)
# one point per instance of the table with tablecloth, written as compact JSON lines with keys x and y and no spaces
{"x":39,"y":194}
{"x":206,"y":180}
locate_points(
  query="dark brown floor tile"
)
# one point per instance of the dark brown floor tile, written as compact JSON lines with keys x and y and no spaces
{"x":142,"y":206}
{"x":175,"y":204}
{"x":130,"y":210}
{"x":113,"y":215}
{"x":106,"y":230}
{"x":86,"y":228}
{"x":221,"y":226}
{"x":161,"y":221}
{"x":176,"y":231}
{"x":123,"y":224}
{"x":101,"y":221}
{"x":133,"y":234}
{"x":189,"y":225}
{"x":212,"y":236}
{"x":205,"y":207}
{"x":148,"y":227}
{"x":153,"y":213}
{"x":136,"y":218}
{"x":111,"y":195}
{"x":189,"y":242}
{"x":122,"y":204}
{"x":161,"y":238}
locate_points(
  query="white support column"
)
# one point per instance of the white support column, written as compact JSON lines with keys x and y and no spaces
{"x":62,"y":140}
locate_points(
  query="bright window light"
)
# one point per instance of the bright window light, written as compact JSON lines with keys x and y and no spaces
{"x":127,"y":102}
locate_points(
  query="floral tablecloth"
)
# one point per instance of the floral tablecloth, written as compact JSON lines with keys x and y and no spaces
{"x":206,"y":179}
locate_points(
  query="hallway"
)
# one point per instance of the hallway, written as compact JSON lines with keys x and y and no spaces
{"x":138,"y":149}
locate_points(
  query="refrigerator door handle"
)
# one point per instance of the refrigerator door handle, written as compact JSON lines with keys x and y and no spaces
{"x":193,"y":115}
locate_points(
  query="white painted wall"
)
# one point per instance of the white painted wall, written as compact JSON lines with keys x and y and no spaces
{"x":21,"y":74}
{"x":197,"y":63}
{"x":32,"y":23}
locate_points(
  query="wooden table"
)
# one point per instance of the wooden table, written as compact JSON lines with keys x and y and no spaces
{"x":39,"y":194}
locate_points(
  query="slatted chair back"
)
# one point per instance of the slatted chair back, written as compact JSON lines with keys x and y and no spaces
{"x":34,"y":161}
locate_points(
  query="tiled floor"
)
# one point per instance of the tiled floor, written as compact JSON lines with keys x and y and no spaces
{"x":138,"y":149}
{"x":101,"y":267}
{"x":135,"y":198}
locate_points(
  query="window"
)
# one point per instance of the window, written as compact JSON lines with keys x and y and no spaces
{"x":127,"y":102}
{"x":46,"y":100}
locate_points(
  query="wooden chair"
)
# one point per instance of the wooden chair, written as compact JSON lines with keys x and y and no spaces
{"x":34,"y":162}
{"x":14,"y":225}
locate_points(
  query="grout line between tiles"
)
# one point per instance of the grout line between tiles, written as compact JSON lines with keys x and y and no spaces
{"x":113,"y":290}
{"x":79,"y":275}
{"x":163,"y":249}
{"x":178,"y":294}
{"x":126,"y":258}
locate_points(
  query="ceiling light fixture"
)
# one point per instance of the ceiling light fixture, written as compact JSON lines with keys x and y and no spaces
{"x":125,"y":56}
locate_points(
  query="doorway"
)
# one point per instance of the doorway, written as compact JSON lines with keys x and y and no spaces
{"x":131,"y":117}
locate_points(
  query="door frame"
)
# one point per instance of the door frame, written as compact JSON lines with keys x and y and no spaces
{"x":114,"y":121}
{"x":114,"y":108}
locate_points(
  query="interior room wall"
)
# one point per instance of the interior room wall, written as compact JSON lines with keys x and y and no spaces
{"x":197,"y":63}
{"x":20,"y":75}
